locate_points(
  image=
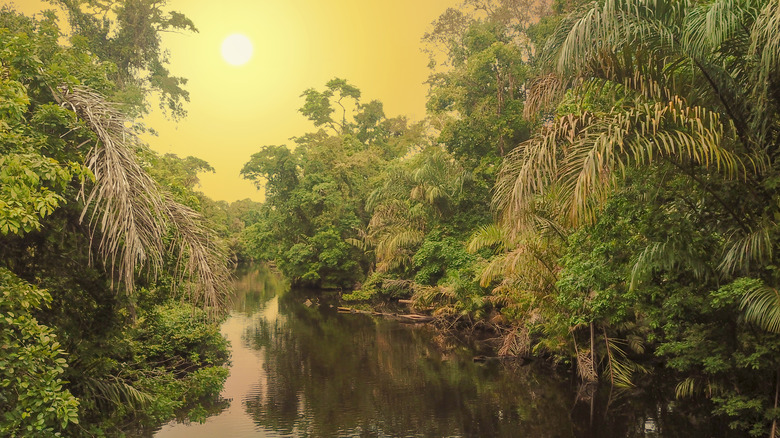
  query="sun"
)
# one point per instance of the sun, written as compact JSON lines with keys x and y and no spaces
{"x":237,"y":49}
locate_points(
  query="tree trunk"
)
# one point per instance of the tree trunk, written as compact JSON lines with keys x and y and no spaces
{"x":593,"y":348}
{"x":773,"y":434}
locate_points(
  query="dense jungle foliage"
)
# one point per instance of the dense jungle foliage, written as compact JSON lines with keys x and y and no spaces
{"x":599,"y":185}
{"x":598,"y":182}
{"x":113,"y":270}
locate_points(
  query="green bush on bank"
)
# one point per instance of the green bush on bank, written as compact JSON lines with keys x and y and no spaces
{"x":33,"y":399}
{"x":181,"y":358}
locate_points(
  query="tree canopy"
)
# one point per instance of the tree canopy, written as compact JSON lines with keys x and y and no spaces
{"x":93,"y":246}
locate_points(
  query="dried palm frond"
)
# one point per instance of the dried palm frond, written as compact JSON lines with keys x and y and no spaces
{"x":585,"y":366}
{"x":516,"y":343}
{"x":201,"y":257}
{"x":398,"y":283}
{"x":132,"y":215}
{"x":543,"y":92}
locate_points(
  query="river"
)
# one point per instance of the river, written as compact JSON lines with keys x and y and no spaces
{"x":300,"y":369}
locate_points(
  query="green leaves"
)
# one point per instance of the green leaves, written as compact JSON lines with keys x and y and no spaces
{"x":480,"y":99}
{"x":274,"y":168}
{"x":761,"y":305}
{"x":319,"y":106}
{"x":127,"y":34}
{"x":33,"y":401}
{"x":319,"y":195}
{"x":13,"y":103}
{"x":56,"y":124}
{"x":31,"y":188}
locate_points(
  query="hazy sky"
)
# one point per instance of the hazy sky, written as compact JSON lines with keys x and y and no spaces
{"x":298,"y":44}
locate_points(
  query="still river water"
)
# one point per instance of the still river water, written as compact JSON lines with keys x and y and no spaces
{"x":308,"y":371}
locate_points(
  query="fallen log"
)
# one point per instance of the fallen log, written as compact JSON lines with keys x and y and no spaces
{"x":412,"y":318}
{"x":483,"y":359}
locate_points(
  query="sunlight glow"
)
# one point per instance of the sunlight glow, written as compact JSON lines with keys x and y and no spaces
{"x":237,"y":49}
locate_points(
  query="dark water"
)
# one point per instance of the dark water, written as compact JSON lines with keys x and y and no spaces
{"x":308,"y":371}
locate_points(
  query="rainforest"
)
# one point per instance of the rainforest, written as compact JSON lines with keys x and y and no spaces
{"x":586,"y":215}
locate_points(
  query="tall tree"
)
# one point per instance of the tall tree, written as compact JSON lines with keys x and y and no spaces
{"x":316,"y":193}
{"x":129,"y":34}
{"x":81,"y":220}
{"x":678,"y":94}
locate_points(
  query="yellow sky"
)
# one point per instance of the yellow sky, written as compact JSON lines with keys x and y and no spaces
{"x":298,"y":44}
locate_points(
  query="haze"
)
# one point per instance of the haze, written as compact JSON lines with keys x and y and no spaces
{"x":298,"y":44}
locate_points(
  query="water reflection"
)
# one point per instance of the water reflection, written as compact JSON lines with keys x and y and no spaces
{"x":255,"y":301}
{"x":307,"y":371}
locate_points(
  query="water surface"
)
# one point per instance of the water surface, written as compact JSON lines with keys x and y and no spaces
{"x":300,"y":369}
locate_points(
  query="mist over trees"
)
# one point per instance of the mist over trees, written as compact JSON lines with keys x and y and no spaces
{"x":595,"y":183}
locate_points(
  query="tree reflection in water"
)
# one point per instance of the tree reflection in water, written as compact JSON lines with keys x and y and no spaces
{"x":311,"y":372}
{"x":336,"y":375}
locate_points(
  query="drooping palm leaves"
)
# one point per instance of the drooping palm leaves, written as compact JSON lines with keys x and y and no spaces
{"x":527,"y":259}
{"x":765,"y":51}
{"x":413,"y":195}
{"x":132,"y":217}
{"x":395,"y":230}
{"x":585,"y":154}
{"x":692,"y":86}
{"x":761,"y":305}
{"x":523,"y":270}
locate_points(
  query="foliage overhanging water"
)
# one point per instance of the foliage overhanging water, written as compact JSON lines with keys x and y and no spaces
{"x":307,"y":371}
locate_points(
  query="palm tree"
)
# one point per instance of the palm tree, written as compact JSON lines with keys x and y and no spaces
{"x":692,"y":86}
{"x":132,"y":216}
{"x":405,"y":206}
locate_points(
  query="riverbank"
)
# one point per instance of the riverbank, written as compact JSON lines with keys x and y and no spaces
{"x":308,"y":370}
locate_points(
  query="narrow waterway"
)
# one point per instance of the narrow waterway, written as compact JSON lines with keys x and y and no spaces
{"x":300,"y":369}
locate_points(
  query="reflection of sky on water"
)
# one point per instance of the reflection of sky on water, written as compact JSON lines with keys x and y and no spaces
{"x":247,"y":378}
{"x":301,"y":371}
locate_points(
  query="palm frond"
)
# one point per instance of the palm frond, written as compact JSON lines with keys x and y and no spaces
{"x":620,"y":368}
{"x":132,"y":214}
{"x":114,"y":392}
{"x":708,"y":26}
{"x":396,"y":241}
{"x":497,"y":267}
{"x":543,"y":92}
{"x":765,"y":49}
{"x":585,"y":153}
{"x":605,"y":27}
{"x":489,"y":236}
{"x":740,"y":252}
{"x":124,"y":202}
{"x":761,"y":306}
{"x":202,"y":258}
{"x":665,"y":256}
{"x":357,"y":243}
{"x":691,"y":386}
